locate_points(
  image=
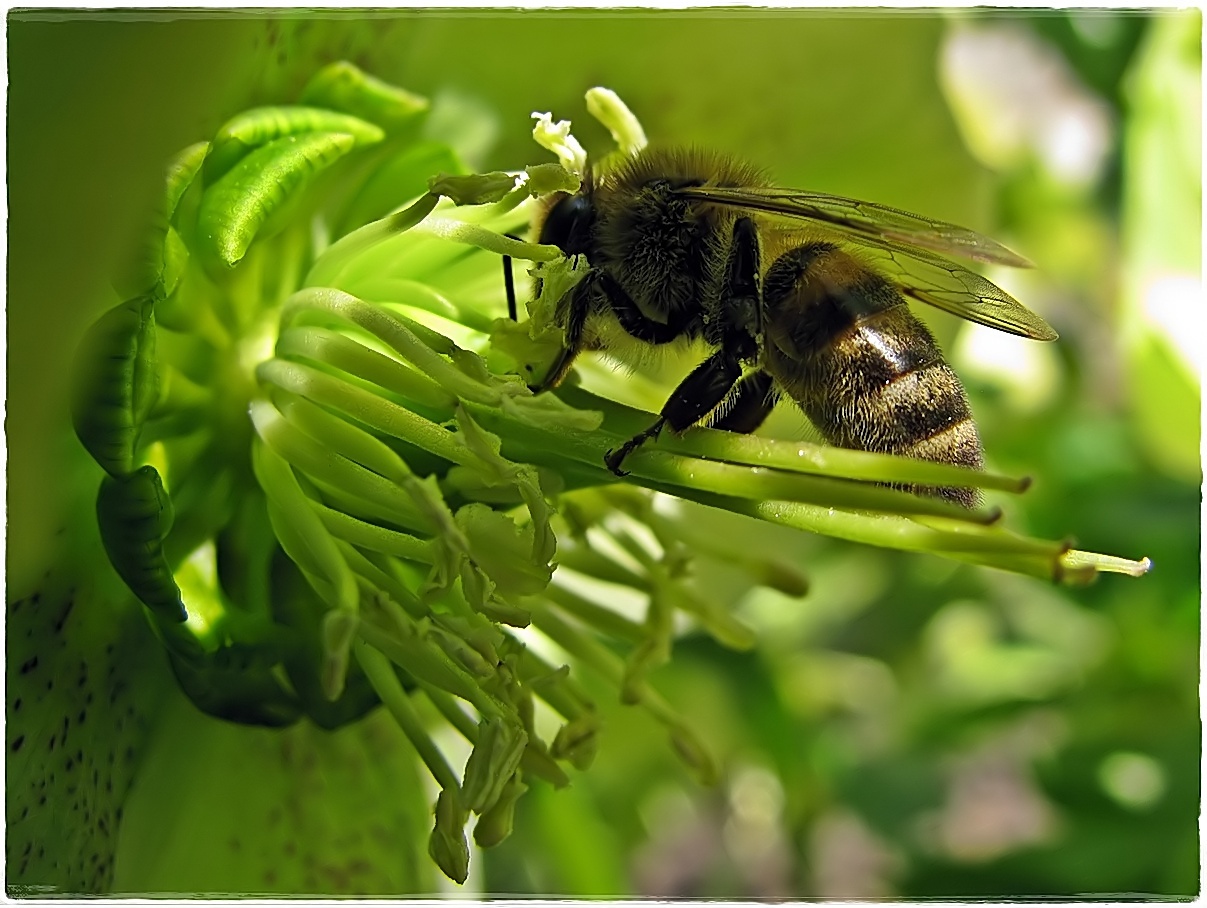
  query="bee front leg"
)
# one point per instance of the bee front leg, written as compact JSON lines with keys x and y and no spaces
{"x":509,"y":282}
{"x":578,"y":303}
{"x":696,"y":397}
{"x":699,"y":395}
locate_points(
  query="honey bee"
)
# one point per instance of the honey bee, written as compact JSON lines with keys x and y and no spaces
{"x":794,"y":293}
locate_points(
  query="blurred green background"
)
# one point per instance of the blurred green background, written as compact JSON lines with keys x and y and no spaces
{"x":911,"y":728}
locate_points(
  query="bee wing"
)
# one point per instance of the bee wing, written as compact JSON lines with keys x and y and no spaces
{"x":941,"y":283}
{"x":970,"y":296}
{"x":862,"y":220}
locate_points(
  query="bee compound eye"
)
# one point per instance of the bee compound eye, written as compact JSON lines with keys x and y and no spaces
{"x":568,"y":224}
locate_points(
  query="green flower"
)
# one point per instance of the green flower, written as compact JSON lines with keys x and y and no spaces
{"x":331,"y":487}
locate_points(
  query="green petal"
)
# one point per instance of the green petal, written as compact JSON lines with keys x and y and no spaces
{"x":160,"y":250}
{"x":261,"y":125}
{"x":116,"y":384}
{"x":342,"y":86}
{"x":135,"y":514}
{"x":238,"y":207}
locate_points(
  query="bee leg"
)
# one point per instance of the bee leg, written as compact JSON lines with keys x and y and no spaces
{"x":696,"y":397}
{"x":615,"y":457}
{"x":509,"y":282}
{"x":509,"y":286}
{"x":634,"y":321}
{"x":579,"y":302}
{"x":752,"y":401}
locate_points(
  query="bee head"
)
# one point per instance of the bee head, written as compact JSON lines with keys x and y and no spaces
{"x":569,"y":224}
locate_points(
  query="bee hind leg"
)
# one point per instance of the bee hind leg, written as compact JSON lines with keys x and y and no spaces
{"x":752,"y":400}
{"x":695,"y":398}
{"x":615,"y":457}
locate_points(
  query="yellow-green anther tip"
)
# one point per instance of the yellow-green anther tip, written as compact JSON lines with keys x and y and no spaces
{"x":493,"y":761}
{"x":474,"y":189}
{"x":447,"y":845}
{"x":496,"y":824}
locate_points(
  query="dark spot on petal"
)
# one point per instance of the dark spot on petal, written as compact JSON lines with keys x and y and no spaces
{"x":62,"y":619}
{"x":17,"y":742}
{"x":29,"y":665}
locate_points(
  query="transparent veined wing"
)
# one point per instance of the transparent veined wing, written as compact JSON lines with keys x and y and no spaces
{"x":862,"y":220}
{"x":928,"y":278}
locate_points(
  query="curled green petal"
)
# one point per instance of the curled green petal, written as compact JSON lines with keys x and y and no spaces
{"x":261,"y":125}
{"x":343,"y":86}
{"x":175,"y":261}
{"x":240,"y":204}
{"x":247,"y":697}
{"x":135,"y":514}
{"x":116,"y":384}
{"x":158,"y":259}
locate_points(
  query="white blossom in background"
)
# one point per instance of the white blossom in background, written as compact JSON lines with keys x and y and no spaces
{"x":1013,"y":95}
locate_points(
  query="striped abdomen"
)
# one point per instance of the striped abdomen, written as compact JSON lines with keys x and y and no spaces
{"x":841,"y":341}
